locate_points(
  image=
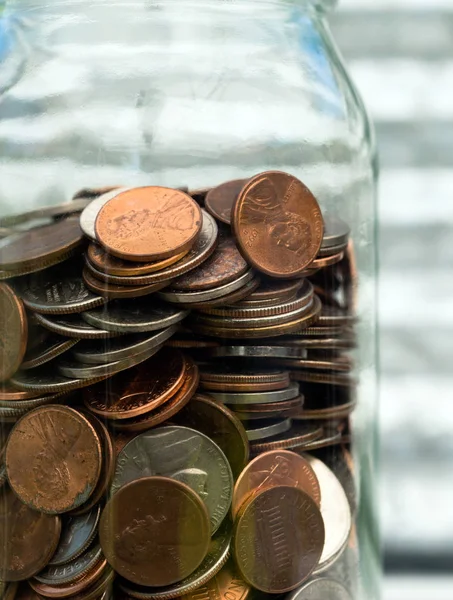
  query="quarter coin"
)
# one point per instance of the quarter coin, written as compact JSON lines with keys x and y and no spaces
{"x":72,"y":570}
{"x":90,"y":213}
{"x":76,"y":535}
{"x":73,"y":326}
{"x":267,"y":429}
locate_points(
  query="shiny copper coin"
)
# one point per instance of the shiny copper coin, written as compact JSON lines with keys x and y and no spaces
{"x":14,"y":330}
{"x":112,"y":291}
{"x":225,"y":379}
{"x":220,"y":200}
{"x":148,"y":223}
{"x":140,"y":389}
{"x":274,"y":526}
{"x":222,"y":267}
{"x":105,"y":262}
{"x":29,"y":538}
{"x":40,"y":245}
{"x":278,"y":224}
{"x":270,"y":469}
{"x":327,"y":261}
{"x":169,"y":408}
{"x":53,"y":459}
{"x":155,"y":531}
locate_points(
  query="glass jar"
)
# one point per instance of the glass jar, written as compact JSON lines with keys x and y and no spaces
{"x":189,"y":94}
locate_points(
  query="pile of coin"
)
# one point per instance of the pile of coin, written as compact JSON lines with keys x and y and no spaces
{"x":176,"y":396}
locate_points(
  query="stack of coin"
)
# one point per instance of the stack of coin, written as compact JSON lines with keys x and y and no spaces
{"x":153,"y":340}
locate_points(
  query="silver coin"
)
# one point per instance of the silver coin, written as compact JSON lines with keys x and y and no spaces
{"x":320,"y":589}
{"x":33,"y":402}
{"x":183,"y":454}
{"x":76,"y":535}
{"x":264,"y":430}
{"x":45,"y":379}
{"x":50,"y":346}
{"x":336,"y":232}
{"x":100,"y":353}
{"x":292,"y":391}
{"x":335,"y":511}
{"x":45,"y":212}
{"x":59,"y":290}
{"x":76,"y":370}
{"x":73,"y":326}
{"x":206,"y":295}
{"x":255,"y":352}
{"x":216,"y":558}
{"x":324,"y":252}
{"x":70,"y":571}
{"x":137,"y":315}
{"x":90,"y":213}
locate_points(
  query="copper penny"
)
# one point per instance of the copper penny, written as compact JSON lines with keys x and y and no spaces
{"x":41,"y":244}
{"x":226,"y":380}
{"x":112,"y":291}
{"x":219,"y":201}
{"x":53,"y":459}
{"x":9,"y":393}
{"x":327,"y":261}
{"x":272,"y":528}
{"x":69,"y":589}
{"x":14,"y":330}
{"x":111,"y":265}
{"x":148,"y":223}
{"x":270,"y":469}
{"x":155,"y":531}
{"x":224,"y":266}
{"x":278,"y":224}
{"x":169,"y":408}
{"x":140,"y":389}
{"x":226,"y":585}
{"x":29,"y":538}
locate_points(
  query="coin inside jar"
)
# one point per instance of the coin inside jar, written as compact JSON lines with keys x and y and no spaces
{"x":14,"y":328}
{"x":219,"y":201}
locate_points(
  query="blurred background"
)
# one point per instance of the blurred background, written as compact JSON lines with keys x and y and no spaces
{"x":400,"y":54}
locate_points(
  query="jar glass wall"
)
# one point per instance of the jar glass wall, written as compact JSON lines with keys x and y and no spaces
{"x":190,"y":94}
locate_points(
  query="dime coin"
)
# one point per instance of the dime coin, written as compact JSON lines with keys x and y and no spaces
{"x":90,"y":213}
{"x":275,"y":291}
{"x":216,"y":557}
{"x":278,"y":224}
{"x":29,"y":538}
{"x":111,"y":265}
{"x":320,"y":589}
{"x":72,"y":588}
{"x":270,"y":406}
{"x":220,"y":200}
{"x":228,"y":299}
{"x":49,"y":347}
{"x":292,"y":391}
{"x":148,"y":223}
{"x":112,"y":291}
{"x":274,"y":468}
{"x":267,"y":429}
{"x":297,"y":436}
{"x":101,"y":352}
{"x":73,"y":326}
{"x":53,"y":459}
{"x":14,"y":328}
{"x":44,"y":379}
{"x":256,"y":352}
{"x":222,"y":267}
{"x":76,"y":535}
{"x":335,"y":511}
{"x":227,"y":380}
{"x":134,"y":316}
{"x":336,"y":232}
{"x":72,"y":570}
{"x":155,"y":531}
{"x":221,"y":425}
{"x":290,"y":525}
{"x":183,"y":454}
{"x":141,"y":389}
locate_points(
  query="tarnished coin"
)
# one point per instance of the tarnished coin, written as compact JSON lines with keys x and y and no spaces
{"x":339,"y":363}
{"x":216,"y":558}
{"x":53,"y":459}
{"x":14,"y":331}
{"x":76,"y":535}
{"x":184,"y":454}
{"x":49,"y":346}
{"x":298,"y":435}
{"x":228,"y":379}
{"x":101,"y":352}
{"x":114,"y":292}
{"x":336,"y":232}
{"x":111,"y":265}
{"x":267,"y":429}
{"x":274,"y":291}
{"x":29,"y":538}
{"x":220,"y":200}
{"x":140,"y":389}
{"x":221,"y":425}
{"x":134,"y":316}
{"x":72,"y":570}
{"x":148,"y":223}
{"x":60,"y":290}
{"x":82,"y":586}
{"x":40,"y":245}
{"x":45,"y":379}
{"x":155,"y":531}
{"x":278,"y":224}
{"x":274,"y":468}
{"x":226,"y":585}
{"x":10,"y":393}
{"x":272,"y":528}
{"x":90,"y":213}
{"x":287,"y":405}
{"x":292,"y":391}
{"x":320,"y":589}
{"x":222,"y":267}
{"x":73,"y":326}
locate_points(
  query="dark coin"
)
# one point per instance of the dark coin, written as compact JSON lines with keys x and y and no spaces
{"x":134,"y":316}
{"x":228,"y":379}
{"x":30,"y":248}
{"x":221,"y":425}
{"x":73,"y":326}
{"x":89,"y":587}
{"x":50,"y":346}
{"x":113,"y":292}
{"x":219,"y":201}
{"x":142,"y":539}
{"x":36,"y":267}
{"x":267,"y":429}
{"x":71,"y":570}
{"x":44,"y":379}
{"x":43,"y":213}
{"x":340,"y":363}
{"x":101,"y":352}
{"x":76,"y":535}
{"x":292,"y":391}
{"x":226,"y":585}
{"x":184,"y":454}
{"x":275,"y":291}
{"x":14,"y":331}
